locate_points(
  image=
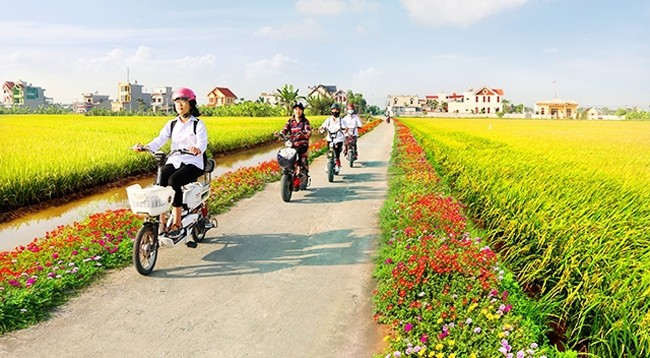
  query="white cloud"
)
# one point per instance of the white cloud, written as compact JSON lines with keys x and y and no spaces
{"x":320,"y":7}
{"x":303,"y":29}
{"x":335,"y":7}
{"x":143,"y":57}
{"x":367,"y":74}
{"x":268,"y":66}
{"x":436,"y":13}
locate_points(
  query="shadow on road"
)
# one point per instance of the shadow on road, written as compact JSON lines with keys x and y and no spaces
{"x":252,"y":254}
{"x":338,"y":193}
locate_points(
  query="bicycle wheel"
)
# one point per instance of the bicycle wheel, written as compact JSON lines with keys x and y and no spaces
{"x":145,"y":250}
{"x":286,"y":187}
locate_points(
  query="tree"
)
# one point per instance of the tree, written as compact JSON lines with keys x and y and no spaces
{"x":319,"y":105}
{"x":287,"y":96}
{"x":359,"y":102}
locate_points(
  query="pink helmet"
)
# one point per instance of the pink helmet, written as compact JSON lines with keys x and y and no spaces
{"x":185,"y":93}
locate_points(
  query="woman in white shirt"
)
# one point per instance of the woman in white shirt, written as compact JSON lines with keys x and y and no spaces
{"x":185,"y":131}
{"x":333,"y":125}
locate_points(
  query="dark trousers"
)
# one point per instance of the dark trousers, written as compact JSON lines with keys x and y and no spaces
{"x":176,"y":178}
{"x":337,"y":149}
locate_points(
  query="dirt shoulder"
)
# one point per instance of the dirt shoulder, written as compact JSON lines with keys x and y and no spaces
{"x":274,"y":280}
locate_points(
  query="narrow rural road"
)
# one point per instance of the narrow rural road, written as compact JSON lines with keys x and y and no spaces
{"x":274,"y":280}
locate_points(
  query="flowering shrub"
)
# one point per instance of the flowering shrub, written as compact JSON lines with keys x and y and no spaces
{"x":441,"y":291}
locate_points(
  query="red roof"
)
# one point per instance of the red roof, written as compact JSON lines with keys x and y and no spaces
{"x":225,"y":91}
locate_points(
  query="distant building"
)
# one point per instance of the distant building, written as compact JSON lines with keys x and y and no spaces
{"x":327,"y":91}
{"x":90,"y":101}
{"x":221,"y":96}
{"x":322,"y":91}
{"x":161,"y":100}
{"x":485,"y":101}
{"x":401,"y":105}
{"x":269,"y":98}
{"x":20,"y":93}
{"x":556,"y":109}
{"x":130,"y":97}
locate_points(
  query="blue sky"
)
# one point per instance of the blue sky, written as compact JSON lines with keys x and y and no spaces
{"x":596,"y":51}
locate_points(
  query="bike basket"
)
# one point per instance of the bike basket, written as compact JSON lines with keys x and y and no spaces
{"x":153,"y":200}
{"x":287,"y":157}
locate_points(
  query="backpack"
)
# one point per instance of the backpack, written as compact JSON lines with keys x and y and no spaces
{"x":205,"y":155}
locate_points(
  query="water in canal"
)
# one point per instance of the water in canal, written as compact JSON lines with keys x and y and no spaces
{"x":25,"y":229}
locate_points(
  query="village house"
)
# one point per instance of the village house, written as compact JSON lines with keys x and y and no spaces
{"x":485,"y":101}
{"x":131,"y":97}
{"x":556,"y":109}
{"x":269,"y":98}
{"x":20,"y":93}
{"x":221,"y":96}
{"x":328,"y":91}
{"x":161,"y":99}
{"x":401,"y":105}
{"x":90,"y":101}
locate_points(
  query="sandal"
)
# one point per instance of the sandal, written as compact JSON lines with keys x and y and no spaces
{"x":174,"y":230}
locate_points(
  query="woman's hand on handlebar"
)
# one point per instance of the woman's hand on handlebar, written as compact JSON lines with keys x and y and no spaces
{"x":194,"y":150}
{"x":140,"y":148}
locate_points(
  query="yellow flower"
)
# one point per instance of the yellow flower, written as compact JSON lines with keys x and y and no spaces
{"x":421,"y":352}
{"x":440,"y":355}
{"x":439,"y":346}
{"x":451,"y":342}
{"x":452,"y":355}
{"x":432,"y":354}
{"x":501,"y":334}
{"x":439,"y":320}
{"x":386,"y":338}
{"x":484,"y":312}
{"x":473,"y":355}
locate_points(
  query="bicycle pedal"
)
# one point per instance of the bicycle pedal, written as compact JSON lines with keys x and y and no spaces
{"x":191,"y":244}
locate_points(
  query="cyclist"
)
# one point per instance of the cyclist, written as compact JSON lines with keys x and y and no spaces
{"x":351,"y":123}
{"x":185,"y":131}
{"x":298,"y":129}
{"x":333,"y":124}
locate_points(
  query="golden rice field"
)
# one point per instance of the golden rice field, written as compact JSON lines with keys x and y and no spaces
{"x":49,"y":156}
{"x":567,"y":204}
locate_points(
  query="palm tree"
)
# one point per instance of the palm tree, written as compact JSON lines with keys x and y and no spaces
{"x":287,"y":96}
{"x":319,"y":105}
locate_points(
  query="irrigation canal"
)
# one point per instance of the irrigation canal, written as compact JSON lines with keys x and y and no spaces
{"x":23,"y":230}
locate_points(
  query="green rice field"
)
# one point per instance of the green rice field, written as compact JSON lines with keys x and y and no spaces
{"x":49,"y":156}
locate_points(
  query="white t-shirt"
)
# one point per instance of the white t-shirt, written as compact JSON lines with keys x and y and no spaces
{"x":333,"y":124}
{"x":353,"y":122}
{"x":182,"y":137}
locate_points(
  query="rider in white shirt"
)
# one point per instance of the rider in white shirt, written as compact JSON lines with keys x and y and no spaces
{"x":351,"y":123}
{"x":333,"y":124}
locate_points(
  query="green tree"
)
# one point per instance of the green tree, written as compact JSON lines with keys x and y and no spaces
{"x":287,"y":96}
{"x":319,"y":105}
{"x":359,"y":102}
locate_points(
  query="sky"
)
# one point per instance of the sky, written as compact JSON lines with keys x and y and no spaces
{"x":594,"y":52}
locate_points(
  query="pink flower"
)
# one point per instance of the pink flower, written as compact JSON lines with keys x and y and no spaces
{"x":408,"y":327}
{"x":424,"y":338}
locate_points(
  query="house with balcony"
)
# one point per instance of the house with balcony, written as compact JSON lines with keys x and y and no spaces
{"x":131,"y":97}
{"x":21,"y":93}
{"x":161,"y":99}
{"x":90,"y":101}
{"x":221,"y":96}
{"x":403,"y":105}
{"x":486,"y":100}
